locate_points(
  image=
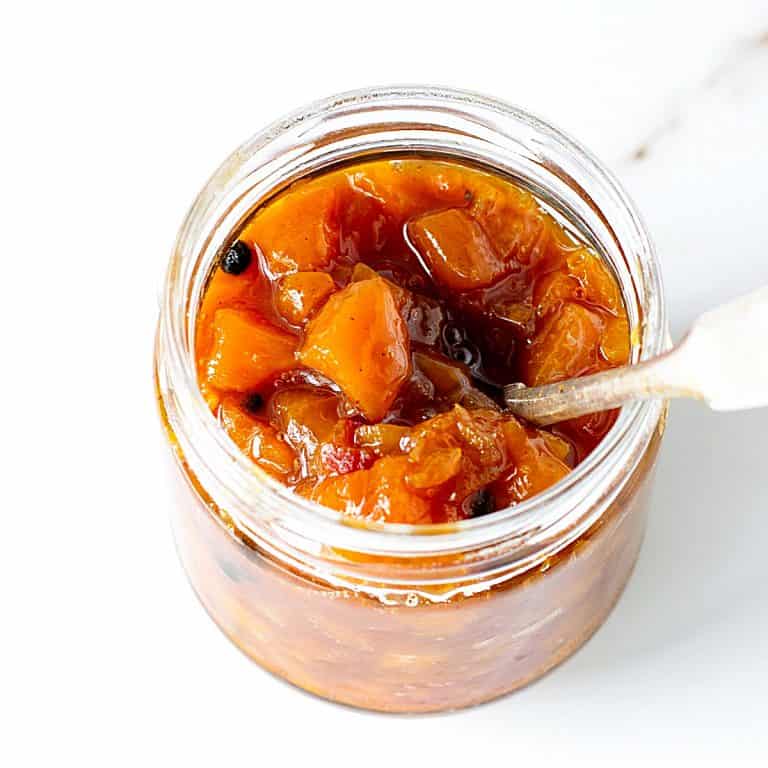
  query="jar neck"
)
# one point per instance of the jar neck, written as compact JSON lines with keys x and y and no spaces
{"x":438,"y":559}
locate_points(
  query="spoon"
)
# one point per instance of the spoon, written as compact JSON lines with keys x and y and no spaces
{"x":723,"y":360}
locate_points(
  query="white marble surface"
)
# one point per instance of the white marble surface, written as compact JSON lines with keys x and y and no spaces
{"x":114,"y":117}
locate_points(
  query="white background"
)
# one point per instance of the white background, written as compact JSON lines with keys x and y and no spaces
{"x":113,"y":117}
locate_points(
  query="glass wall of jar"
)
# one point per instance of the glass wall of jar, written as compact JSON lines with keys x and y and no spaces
{"x":395,"y":617}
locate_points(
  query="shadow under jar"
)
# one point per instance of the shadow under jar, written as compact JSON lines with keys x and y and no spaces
{"x":386,"y":616}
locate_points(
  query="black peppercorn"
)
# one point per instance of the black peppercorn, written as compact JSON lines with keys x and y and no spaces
{"x":483,"y":503}
{"x":237,"y":259}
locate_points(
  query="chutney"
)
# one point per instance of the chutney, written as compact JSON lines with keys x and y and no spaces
{"x":355,"y":338}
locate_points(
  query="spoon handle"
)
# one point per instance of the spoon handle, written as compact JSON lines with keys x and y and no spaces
{"x":723,"y":360}
{"x":600,"y":392}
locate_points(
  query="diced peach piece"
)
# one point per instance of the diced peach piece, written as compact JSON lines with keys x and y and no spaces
{"x":554,"y":289}
{"x":586,"y":279}
{"x":567,"y":345}
{"x":423,"y":315}
{"x":587,"y":431}
{"x":301,"y":293}
{"x":366,"y":222}
{"x":307,"y":418}
{"x":247,"y":351}
{"x":306,"y":414}
{"x":336,"y":459}
{"x":381,"y":439}
{"x":515,"y":224}
{"x":382,"y":182}
{"x":615,"y":344}
{"x":435,"y":469}
{"x":227,"y":290}
{"x":345,"y":493}
{"x":477,"y":434}
{"x":257,"y":439}
{"x":362,"y":272}
{"x":378,"y":493}
{"x":247,"y":290}
{"x":447,"y":185}
{"x":411,"y":186}
{"x":390,"y":497}
{"x":360,"y":342}
{"x":600,"y":287}
{"x":298,"y":231}
{"x":456,"y":250}
{"x":534,"y":465}
{"x":558,"y":447}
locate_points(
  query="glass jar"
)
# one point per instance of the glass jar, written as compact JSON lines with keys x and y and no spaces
{"x":386,"y":616}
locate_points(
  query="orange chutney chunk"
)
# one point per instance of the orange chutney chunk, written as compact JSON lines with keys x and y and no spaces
{"x":379,"y":493}
{"x":257,"y":439}
{"x":299,"y":295}
{"x":567,"y":345}
{"x":247,"y":351}
{"x":359,"y":341}
{"x":297,"y":231}
{"x":537,"y":460}
{"x":356,"y":335}
{"x":457,"y":250}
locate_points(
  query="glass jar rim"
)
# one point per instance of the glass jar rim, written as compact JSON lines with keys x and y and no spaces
{"x":213,"y":459}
